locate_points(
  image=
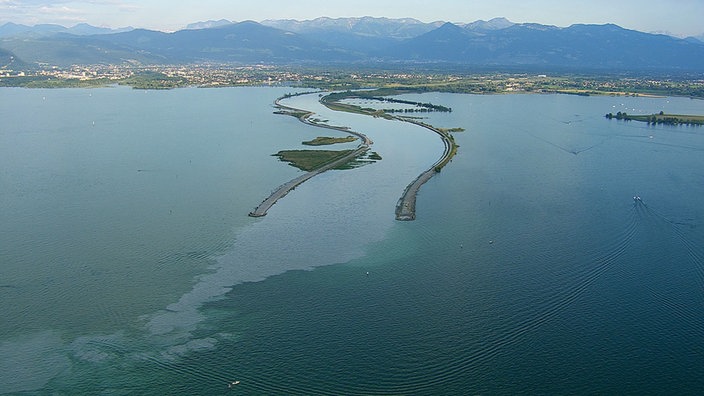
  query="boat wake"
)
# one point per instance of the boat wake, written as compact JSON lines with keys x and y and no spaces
{"x":589,"y":270}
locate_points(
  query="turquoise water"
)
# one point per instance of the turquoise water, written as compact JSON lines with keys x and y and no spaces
{"x":128,"y":264}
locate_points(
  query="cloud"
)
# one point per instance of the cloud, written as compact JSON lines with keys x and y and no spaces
{"x":64,"y":11}
{"x":34,"y":11}
{"x":129,"y":7}
{"x":61,"y":14}
{"x":45,"y":3}
{"x":30,"y":4}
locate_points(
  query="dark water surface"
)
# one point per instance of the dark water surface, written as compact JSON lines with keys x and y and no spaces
{"x":128,"y":264}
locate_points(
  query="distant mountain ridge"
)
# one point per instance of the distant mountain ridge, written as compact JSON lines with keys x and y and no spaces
{"x":357,"y":35}
{"x":82,"y":29}
{"x":246,"y":41}
{"x":208,"y":24}
{"x":492,"y":24}
{"x":587,"y":46}
{"x":377,"y":41}
{"x":365,"y":26}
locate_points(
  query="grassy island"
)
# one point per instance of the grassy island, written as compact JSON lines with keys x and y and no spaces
{"x":309,"y":160}
{"x":660,"y":118}
{"x":325,"y":141}
{"x":374,"y":156}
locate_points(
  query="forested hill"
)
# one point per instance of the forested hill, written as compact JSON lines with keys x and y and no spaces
{"x":8,"y":60}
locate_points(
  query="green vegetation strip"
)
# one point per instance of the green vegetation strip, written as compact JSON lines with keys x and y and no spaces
{"x":46,"y":82}
{"x":446,"y":130}
{"x":660,"y":118}
{"x":324,"y":141}
{"x":154,"y":80}
{"x":309,"y":160}
{"x":297,"y":114}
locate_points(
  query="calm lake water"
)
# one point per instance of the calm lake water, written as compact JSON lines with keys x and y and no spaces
{"x":128,"y":264}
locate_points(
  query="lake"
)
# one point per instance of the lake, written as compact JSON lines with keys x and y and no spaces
{"x":128,"y":264}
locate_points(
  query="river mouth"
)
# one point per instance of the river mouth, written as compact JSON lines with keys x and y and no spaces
{"x":316,"y":162}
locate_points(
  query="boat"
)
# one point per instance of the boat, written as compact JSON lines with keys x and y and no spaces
{"x":233,"y":383}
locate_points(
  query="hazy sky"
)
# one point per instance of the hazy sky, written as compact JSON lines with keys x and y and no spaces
{"x":679,"y":17}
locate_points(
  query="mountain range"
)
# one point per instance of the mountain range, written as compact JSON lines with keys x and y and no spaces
{"x":82,"y":29}
{"x":496,"y":43}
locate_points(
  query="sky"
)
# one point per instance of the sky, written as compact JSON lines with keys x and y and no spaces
{"x":677,"y":17}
